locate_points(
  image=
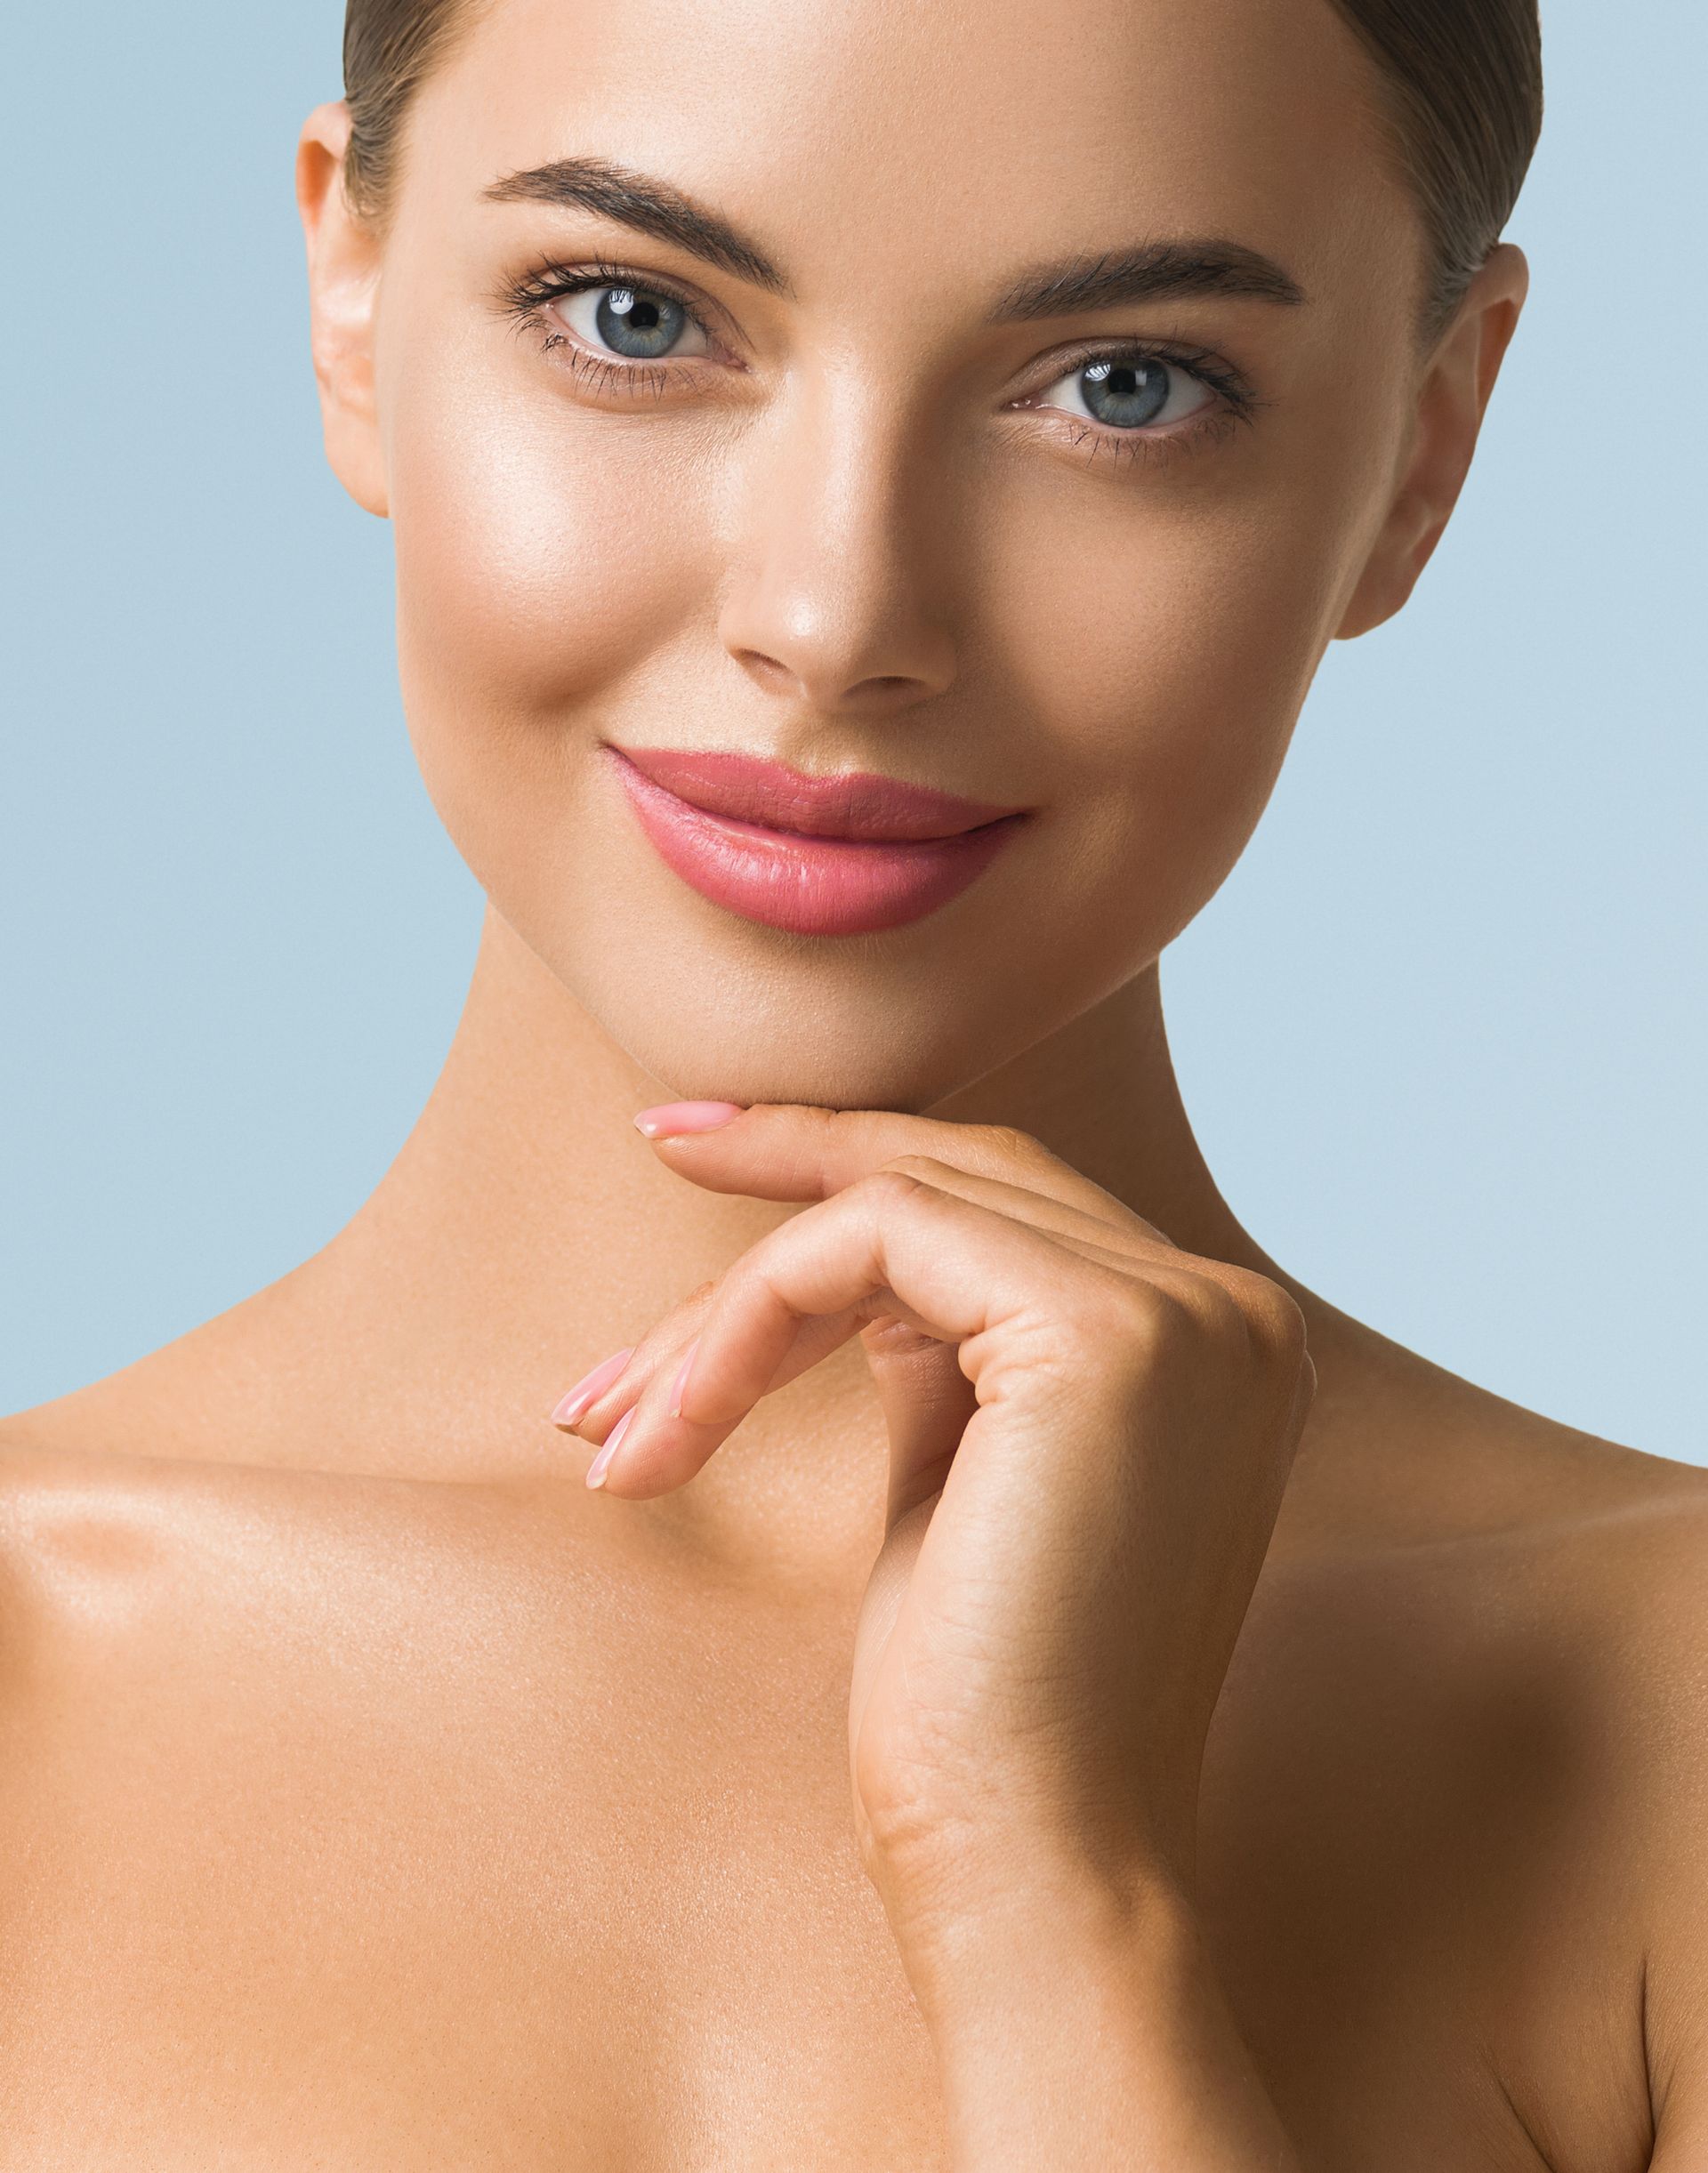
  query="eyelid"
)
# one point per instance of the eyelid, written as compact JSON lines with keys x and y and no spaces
{"x":552,"y":279}
{"x":1232,"y":401}
{"x":1229,"y":385}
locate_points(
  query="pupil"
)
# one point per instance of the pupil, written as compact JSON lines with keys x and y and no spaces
{"x":637,"y":325}
{"x":1126,"y":395}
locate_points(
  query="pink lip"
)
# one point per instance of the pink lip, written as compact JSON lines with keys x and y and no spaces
{"x":820,"y":856}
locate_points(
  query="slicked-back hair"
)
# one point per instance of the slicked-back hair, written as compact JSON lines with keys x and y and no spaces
{"x":1460,"y":84}
{"x":391,"y":48}
{"x":1462,"y":91}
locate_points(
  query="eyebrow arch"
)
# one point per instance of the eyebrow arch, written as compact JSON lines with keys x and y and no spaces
{"x":649,"y":205}
{"x":1148,"y":272}
{"x":1152,"y":271}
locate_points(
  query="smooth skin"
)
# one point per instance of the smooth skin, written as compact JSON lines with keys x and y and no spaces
{"x":1060,"y":1693}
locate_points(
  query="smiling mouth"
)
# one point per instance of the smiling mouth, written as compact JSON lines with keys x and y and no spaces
{"x":846,"y":854}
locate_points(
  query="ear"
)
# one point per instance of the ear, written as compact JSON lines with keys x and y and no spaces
{"x":344,"y":300}
{"x":1453,"y":396}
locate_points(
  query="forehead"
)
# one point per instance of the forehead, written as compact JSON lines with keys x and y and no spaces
{"x":844,"y":134}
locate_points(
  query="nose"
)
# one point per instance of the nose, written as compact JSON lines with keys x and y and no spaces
{"x":839,"y":597}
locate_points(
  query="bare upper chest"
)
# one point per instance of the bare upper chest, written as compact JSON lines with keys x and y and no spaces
{"x":341,"y":1835}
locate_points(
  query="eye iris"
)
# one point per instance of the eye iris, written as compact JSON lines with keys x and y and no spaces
{"x":1126,"y":394}
{"x":637,"y":323}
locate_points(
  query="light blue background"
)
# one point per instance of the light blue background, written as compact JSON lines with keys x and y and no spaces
{"x":1442,"y":1032}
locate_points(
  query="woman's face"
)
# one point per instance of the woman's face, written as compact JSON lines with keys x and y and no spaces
{"x":868,"y":510}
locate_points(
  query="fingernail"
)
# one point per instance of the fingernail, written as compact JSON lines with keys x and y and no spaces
{"x":682,"y":1379}
{"x":671,"y":1117}
{"x":588,"y":1390}
{"x":596,"y":1471}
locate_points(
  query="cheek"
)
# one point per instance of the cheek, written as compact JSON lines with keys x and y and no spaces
{"x":544,"y":564}
{"x":1167,"y":650}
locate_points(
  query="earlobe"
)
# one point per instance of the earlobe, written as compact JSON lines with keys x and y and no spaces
{"x":343,"y":296}
{"x":1453,"y":398}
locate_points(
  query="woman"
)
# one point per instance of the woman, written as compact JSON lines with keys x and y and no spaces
{"x":871,"y":487}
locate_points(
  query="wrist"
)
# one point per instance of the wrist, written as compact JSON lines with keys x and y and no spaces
{"x":990,"y":1938}
{"x":1083,"y":2023}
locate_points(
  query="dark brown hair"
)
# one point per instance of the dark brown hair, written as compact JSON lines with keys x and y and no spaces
{"x":391,"y":48}
{"x":1461,"y":84}
{"x":1461,"y":88}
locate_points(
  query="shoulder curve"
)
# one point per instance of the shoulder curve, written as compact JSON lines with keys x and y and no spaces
{"x":79,"y":1527}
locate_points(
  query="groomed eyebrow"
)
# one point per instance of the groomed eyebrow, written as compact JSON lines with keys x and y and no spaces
{"x":1147,"y":272}
{"x":650,"y":206}
{"x":1153,"y":271}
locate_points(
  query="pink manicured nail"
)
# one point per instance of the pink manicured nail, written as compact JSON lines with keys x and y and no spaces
{"x":597,"y":1468}
{"x":588,"y":1390}
{"x":682,"y":1379}
{"x":671,"y":1117}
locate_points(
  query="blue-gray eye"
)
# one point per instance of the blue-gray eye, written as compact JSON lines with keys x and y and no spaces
{"x":1129,"y":392}
{"x":637,"y":323}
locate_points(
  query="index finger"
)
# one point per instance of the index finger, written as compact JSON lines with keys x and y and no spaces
{"x":801,"y":1151}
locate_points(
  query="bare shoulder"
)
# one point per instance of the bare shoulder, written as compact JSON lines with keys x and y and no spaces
{"x":1545,"y":1539}
{"x":1467,"y":1731}
{"x":106,"y":1555}
{"x":1630,"y":1587}
{"x":120,"y":1570}
{"x":78,"y":1514}
{"x":1493,"y":1594}
{"x":260,"y":1730}
{"x":1568,"y":1616}
{"x":1625,"y":1579}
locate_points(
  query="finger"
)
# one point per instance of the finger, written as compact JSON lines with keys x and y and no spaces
{"x":1131,"y":1237}
{"x":917,"y":1373}
{"x":1135,"y":1242}
{"x":798,"y":1151}
{"x":660,"y":1354}
{"x":949,"y":1268}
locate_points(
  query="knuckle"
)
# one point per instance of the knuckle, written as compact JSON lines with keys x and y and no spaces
{"x":1272,"y":1332}
{"x":1273,"y":1318}
{"x":1178,"y":1309}
{"x":1287,"y":1332}
{"x":927,"y":1168}
{"x":1139,"y":1319}
{"x":692,"y":1309}
{"x":895,"y":1182}
{"x":1241,"y":1318}
{"x":1218,"y":1311}
{"x":814,"y":1115}
{"x":1008,"y":1143}
{"x":1230,"y":1325}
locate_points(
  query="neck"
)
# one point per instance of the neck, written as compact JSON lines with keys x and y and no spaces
{"x":525,"y":1230}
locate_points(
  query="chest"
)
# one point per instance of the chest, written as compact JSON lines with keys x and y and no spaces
{"x":578,"y":1889}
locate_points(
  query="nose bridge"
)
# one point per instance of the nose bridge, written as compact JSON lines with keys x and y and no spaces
{"x":838,"y":591}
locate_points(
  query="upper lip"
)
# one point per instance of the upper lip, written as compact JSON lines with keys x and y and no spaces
{"x":848,"y":803}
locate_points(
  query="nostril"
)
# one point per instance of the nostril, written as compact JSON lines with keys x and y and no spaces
{"x":828,"y":694}
{"x":769,"y":671}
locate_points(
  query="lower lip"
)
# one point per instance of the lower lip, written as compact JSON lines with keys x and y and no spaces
{"x":809,"y":886}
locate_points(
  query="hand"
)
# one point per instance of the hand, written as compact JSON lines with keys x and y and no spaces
{"x":1090,"y":1432}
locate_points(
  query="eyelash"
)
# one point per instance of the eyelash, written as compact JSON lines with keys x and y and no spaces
{"x":527,"y":299}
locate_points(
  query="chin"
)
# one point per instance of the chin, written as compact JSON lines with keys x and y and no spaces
{"x":767,"y":1059}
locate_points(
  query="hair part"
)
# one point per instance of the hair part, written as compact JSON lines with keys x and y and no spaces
{"x":1462,"y":107}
